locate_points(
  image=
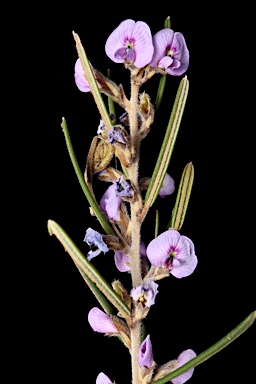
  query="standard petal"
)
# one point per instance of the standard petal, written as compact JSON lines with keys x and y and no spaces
{"x":159,"y":248}
{"x":100,"y":321}
{"x":162,"y":40}
{"x":103,"y":379}
{"x":183,"y":358}
{"x":122,"y":262}
{"x":180,"y":53}
{"x":146,"y":353}
{"x":143,"y":44}
{"x":168,"y":186}
{"x":118,"y":38}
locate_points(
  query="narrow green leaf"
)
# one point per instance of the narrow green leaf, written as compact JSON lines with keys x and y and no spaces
{"x":160,"y":91}
{"x":111,"y":104}
{"x":157,"y":224}
{"x":92,"y":82}
{"x":217,"y":347}
{"x":97,"y":293}
{"x":167,"y":146}
{"x":182,"y":199}
{"x":103,"y":221}
{"x":88,"y":269}
{"x":167,"y":23}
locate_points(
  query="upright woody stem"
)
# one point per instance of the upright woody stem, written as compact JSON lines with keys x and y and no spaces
{"x":135,"y":261}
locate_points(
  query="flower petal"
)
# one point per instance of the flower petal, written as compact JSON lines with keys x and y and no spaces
{"x":159,"y":248}
{"x":122,"y":262}
{"x":145,"y":353}
{"x":110,"y":203}
{"x":100,"y":321}
{"x":161,"y":41}
{"x":145,"y":293}
{"x":181,"y":54}
{"x":80,"y":79}
{"x":143,"y":44}
{"x":116,"y":39}
{"x":183,"y":358}
{"x":103,"y":379}
{"x":95,"y":240}
{"x":168,"y":186}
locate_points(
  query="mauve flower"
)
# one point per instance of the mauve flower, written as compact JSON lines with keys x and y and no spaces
{"x":168,"y":186}
{"x":170,"y":52}
{"x":80,"y":80}
{"x":110,"y":203}
{"x":183,"y":358}
{"x":146,"y":353}
{"x":145,"y":293}
{"x":122,"y":261}
{"x":173,"y":251}
{"x":95,"y":240}
{"x":100,"y":321}
{"x":103,"y":379}
{"x":130,"y":42}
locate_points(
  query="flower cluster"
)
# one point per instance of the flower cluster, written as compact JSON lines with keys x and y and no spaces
{"x":131,"y":43}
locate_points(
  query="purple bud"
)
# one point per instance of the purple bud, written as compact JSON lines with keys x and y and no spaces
{"x":100,"y":321}
{"x":146,"y":353}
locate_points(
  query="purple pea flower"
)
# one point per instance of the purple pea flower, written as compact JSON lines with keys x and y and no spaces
{"x":122,"y":261}
{"x":183,"y":358}
{"x":95,"y":240}
{"x":131,"y":43}
{"x":110,"y":203}
{"x":173,"y":251}
{"x":145,"y":293}
{"x":146,"y":353}
{"x":168,"y":186}
{"x":103,"y":379}
{"x":170,"y":52}
{"x":80,"y":80}
{"x":100,"y":321}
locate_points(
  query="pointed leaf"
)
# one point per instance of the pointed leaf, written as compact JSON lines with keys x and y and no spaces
{"x":167,"y":146}
{"x":182,"y":199}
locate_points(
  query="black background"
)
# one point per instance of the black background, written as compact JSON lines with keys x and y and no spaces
{"x":216,"y":134}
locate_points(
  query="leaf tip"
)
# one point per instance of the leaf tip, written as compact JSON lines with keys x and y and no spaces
{"x":49,"y":227}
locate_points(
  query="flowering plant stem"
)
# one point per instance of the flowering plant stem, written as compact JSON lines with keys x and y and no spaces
{"x":169,"y":253}
{"x":135,"y":262}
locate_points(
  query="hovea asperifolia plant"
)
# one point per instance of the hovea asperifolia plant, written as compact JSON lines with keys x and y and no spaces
{"x":113,"y":158}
